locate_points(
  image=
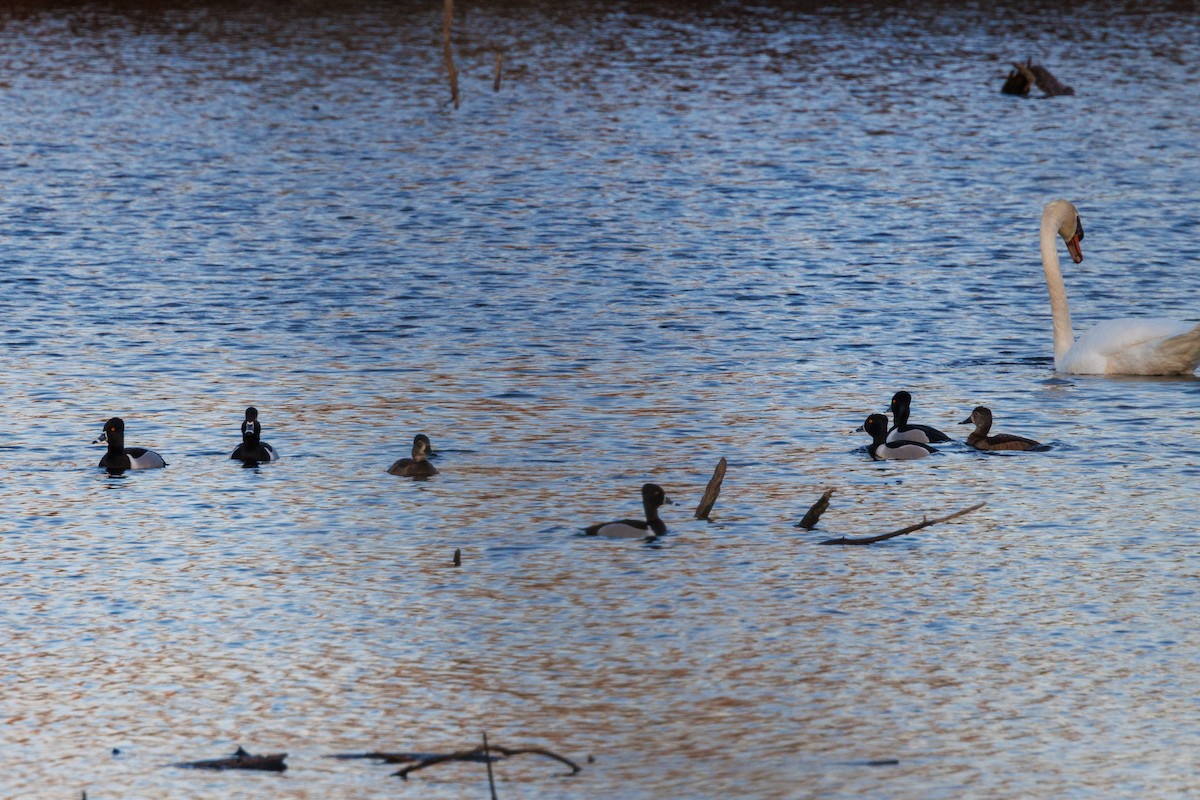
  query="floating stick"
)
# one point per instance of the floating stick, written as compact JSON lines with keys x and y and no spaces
{"x":923,"y":524}
{"x":476,"y":753}
{"x":713,"y":490}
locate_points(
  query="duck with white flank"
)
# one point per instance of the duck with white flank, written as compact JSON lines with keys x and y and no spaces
{"x":252,"y":448}
{"x":902,"y":431}
{"x":881,"y":449}
{"x":653,"y":498}
{"x":119,"y":457}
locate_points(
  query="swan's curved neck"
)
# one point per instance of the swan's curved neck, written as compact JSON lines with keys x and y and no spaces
{"x":1064,"y":336}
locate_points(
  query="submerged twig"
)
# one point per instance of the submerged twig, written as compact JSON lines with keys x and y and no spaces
{"x":447,"y":55}
{"x":478,"y":753}
{"x":923,"y":524}
{"x":487,"y":758}
{"x":399,"y":758}
{"x":815,"y":511}
{"x":712,"y":491}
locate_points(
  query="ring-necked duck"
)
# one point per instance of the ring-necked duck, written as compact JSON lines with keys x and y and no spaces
{"x":653,"y":497}
{"x":902,"y":431}
{"x":979,"y":439}
{"x":418,"y":466}
{"x":252,"y":447}
{"x":881,"y":449}
{"x":119,"y":457}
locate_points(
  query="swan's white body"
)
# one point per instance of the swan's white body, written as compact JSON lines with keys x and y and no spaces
{"x":1134,"y":346}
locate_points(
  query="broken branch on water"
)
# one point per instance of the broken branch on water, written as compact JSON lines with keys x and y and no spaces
{"x":923,"y":524}
{"x":712,"y":491}
{"x":815,"y":511}
{"x":488,"y":754}
{"x":447,"y":54}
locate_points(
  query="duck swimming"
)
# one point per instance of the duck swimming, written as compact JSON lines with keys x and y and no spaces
{"x":418,"y":466}
{"x":902,"y":431}
{"x":653,"y":498}
{"x":119,"y":457}
{"x":881,"y":449}
{"x":252,"y":448}
{"x":980,"y":440}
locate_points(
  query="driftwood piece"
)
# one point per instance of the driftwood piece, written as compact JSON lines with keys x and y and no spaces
{"x":488,"y":753}
{"x":1025,"y":76}
{"x":922,"y":524}
{"x":447,"y":54}
{"x":815,"y":511}
{"x":1048,"y":83}
{"x":405,"y":758}
{"x":1019,"y":81}
{"x":240,"y":760}
{"x":712,"y":491}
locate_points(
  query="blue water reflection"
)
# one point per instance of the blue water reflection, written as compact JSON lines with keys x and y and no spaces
{"x":673,"y":235}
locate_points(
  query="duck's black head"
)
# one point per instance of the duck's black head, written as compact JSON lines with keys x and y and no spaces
{"x":653,"y":496}
{"x":113,"y":434}
{"x":876,"y":425}
{"x":900,"y":400}
{"x":251,"y":425}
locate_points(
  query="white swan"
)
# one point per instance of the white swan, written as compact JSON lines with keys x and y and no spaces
{"x":1150,"y":346}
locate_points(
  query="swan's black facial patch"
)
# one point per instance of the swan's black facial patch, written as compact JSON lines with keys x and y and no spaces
{"x":1079,"y":228}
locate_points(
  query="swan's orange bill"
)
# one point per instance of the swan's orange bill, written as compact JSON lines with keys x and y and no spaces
{"x":1073,"y":248}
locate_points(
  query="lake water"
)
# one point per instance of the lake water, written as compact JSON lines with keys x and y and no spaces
{"x":673,"y":235}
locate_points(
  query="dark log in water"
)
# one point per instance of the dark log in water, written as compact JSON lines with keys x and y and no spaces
{"x":1048,"y":83}
{"x":923,"y":524}
{"x":815,"y":511}
{"x":712,"y":492}
{"x":240,"y":760}
{"x":1019,"y":81}
{"x":447,"y":54}
{"x":1025,"y":76}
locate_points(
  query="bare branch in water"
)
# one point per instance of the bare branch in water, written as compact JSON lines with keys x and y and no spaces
{"x":923,"y":524}
{"x":815,"y":511}
{"x":447,"y":55}
{"x":480,"y":753}
{"x":712,"y":492}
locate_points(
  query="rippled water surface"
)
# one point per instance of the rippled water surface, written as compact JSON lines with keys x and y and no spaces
{"x":673,"y":235}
